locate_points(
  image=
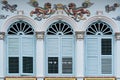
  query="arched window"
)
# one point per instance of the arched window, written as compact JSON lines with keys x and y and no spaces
{"x":99,"y":49}
{"x":60,"y":49}
{"x":60,"y":28}
{"x":99,"y":28}
{"x":20,"y":49}
{"x":20,"y":28}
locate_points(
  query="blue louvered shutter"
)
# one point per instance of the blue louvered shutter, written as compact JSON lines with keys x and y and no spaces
{"x":92,"y":60}
{"x":106,"y":56}
{"x":67,"y":46}
{"x":52,"y":48}
{"x":13,"y":46}
{"x":13,"y":51}
{"x":28,"y":46}
{"x":67,"y":50}
{"x":27,"y":54}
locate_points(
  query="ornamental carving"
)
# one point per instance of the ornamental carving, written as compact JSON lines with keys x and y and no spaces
{"x":3,"y":16}
{"x":80,"y":34}
{"x":8,"y":7}
{"x":77,"y":13}
{"x":117,"y":18}
{"x":43,"y":12}
{"x":39,"y":35}
{"x":109,"y":8}
{"x":2,"y":35}
{"x":117,"y":36}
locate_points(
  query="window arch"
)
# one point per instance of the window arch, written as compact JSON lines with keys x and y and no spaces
{"x":60,"y":28}
{"x":20,"y":28}
{"x":60,"y":49}
{"x":20,"y":49}
{"x":99,"y":49}
{"x":99,"y":28}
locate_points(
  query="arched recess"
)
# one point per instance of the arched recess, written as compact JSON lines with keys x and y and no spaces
{"x":19,"y":18}
{"x":60,"y":49}
{"x":102,"y":18}
{"x":57,"y":18}
{"x":20,"y":49}
{"x":99,"y":49}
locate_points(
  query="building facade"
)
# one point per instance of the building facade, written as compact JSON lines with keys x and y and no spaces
{"x":59,"y":40}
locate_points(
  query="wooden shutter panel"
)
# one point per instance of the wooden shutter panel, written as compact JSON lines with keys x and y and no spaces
{"x":92,"y":65}
{"x":106,"y":58}
{"x":28,"y":46}
{"x":13,"y":46}
{"x":13,"y":51}
{"x":52,"y":46}
{"x":67,"y":46}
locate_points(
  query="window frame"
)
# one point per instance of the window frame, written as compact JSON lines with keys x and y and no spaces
{"x":59,"y":34}
{"x":20,"y":36}
{"x":60,"y":57}
{"x":99,"y":30}
{"x":20,"y":56}
{"x":100,"y":37}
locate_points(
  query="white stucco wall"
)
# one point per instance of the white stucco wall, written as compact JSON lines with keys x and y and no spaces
{"x":99,"y":5}
{"x":2,"y":69}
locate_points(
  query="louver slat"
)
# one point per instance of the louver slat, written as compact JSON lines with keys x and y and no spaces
{"x":106,"y":66}
{"x":92,"y":56}
{"x":13,"y":46}
{"x":52,"y":46}
{"x":67,"y":46}
{"x":27,"y":46}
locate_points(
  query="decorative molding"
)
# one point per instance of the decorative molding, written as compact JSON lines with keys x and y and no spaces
{"x":113,"y":7}
{"x":20,"y":12}
{"x":117,"y":18}
{"x":16,"y":18}
{"x":59,"y":8}
{"x":77,"y":13}
{"x":2,"y":34}
{"x":40,"y":35}
{"x":117,"y":36}
{"x":8,"y":7}
{"x":102,"y":18}
{"x":99,"y":12}
{"x":42,"y":12}
{"x":57,"y":18}
{"x":2,"y":16}
{"x":79,"y":34}
{"x":87,"y":4}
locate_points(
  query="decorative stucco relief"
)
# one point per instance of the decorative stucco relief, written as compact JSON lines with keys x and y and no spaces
{"x":117,"y":18}
{"x":8,"y":7}
{"x":77,"y":13}
{"x":3,"y":16}
{"x":109,"y":8}
{"x":43,"y":12}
